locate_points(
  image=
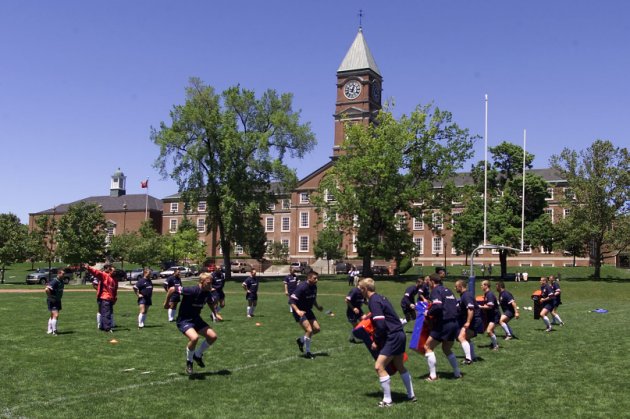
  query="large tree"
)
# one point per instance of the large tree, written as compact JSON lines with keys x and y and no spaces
{"x":82,"y":234}
{"x":599,"y":178}
{"x":13,"y":241}
{"x":328,"y":244}
{"x":387,"y":167}
{"x":227,"y":149}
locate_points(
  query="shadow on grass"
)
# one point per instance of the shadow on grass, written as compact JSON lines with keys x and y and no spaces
{"x":397,"y":396}
{"x":203,"y":375}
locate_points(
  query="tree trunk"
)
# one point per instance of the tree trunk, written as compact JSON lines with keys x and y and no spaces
{"x":503,"y":261}
{"x":367,"y":269}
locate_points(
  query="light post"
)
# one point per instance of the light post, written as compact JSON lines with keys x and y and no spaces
{"x":124,"y":217}
{"x":444,"y":241}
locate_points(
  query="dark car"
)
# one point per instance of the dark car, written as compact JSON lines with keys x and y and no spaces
{"x":42,"y":276}
{"x":380,"y":270}
{"x":301,"y":267}
{"x":342,"y":268}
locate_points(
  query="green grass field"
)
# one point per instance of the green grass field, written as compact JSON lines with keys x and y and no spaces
{"x":579,"y":370}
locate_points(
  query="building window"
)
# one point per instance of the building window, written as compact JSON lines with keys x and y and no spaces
{"x":285,"y":243}
{"x":271,"y":207}
{"x":173,"y":225}
{"x":401,"y":222}
{"x":286,"y":224}
{"x":354,"y":243}
{"x":549,"y":194}
{"x":201,"y":206}
{"x":304,"y":219}
{"x":286,"y":204}
{"x":419,"y":245}
{"x":437,"y":245}
{"x":567,"y":212}
{"x":329,"y":196}
{"x":111,"y":232}
{"x":437,"y":221}
{"x":174,"y":207}
{"x":527,"y":249}
{"x":418,"y":224}
{"x":201,"y":225}
{"x":269,"y":224}
{"x":304,"y":198}
{"x":238,"y":249}
{"x":303,"y":244}
{"x":526,"y":265}
{"x":549,"y":212}
{"x":568,"y":193}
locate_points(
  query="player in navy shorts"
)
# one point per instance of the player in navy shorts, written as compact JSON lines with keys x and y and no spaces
{"x":144,"y":291}
{"x":389,"y":339}
{"x":444,"y":329}
{"x":218,"y":296}
{"x":408,"y":302}
{"x":189,"y":320}
{"x":555,"y":285}
{"x":509,"y":307}
{"x":250,"y":285}
{"x":302,"y":301}
{"x":547,"y":300}
{"x":491,"y":308}
{"x":470,"y":321}
{"x":173,"y":281}
{"x":354,"y":310}
{"x":290,"y":282}
{"x":54,"y":293}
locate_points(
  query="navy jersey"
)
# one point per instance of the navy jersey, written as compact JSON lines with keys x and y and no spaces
{"x":144,"y":287}
{"x":172,"y":281}
{"x":555,"y":286}
{"x":425,"y":291}
{"x":505,"y":301}
{"x":355,"y":298}
{"x":291,"y":282}
{"x":492,"y":303}
{"x":218,"y":280}
{"x":251,"y":283}
{"x":193,"y":300}
{"x":466,"y":302}
{"x":547,"y":291}
{"x":410,"y":296}
{"x":304,"y":296}
{"x":56,"y":289}
{"x":443,"y":304}
{"x":384,"y":318}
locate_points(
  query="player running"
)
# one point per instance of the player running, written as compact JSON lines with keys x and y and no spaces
{"x":302,"y":301}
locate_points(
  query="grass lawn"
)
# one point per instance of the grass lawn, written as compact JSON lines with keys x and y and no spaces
{"x":256,"y":371}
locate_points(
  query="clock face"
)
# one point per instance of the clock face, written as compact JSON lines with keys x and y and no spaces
{"x":375,"y":91}
{"x":352,"y":89}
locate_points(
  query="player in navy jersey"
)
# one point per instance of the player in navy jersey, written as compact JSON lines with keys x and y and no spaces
{"x":250,"y":285}
{"x":218,"y":296}
{"x":389,"y":339}
{"x":408,"y":301}
{"x":425,"y":289}
{"x":444,"y":327}
{"x":291,"y":282}
{"x":509,"y":307}
{"x":547,"y":300}
{"x":470,"y":321}
{"x":189,"y":320}
{"x":555,"y":285}
{"x":354,"y":309}
{"x":54,"y":293}
{"x":491,"y":308}
{"x":302,"y":301}
{"x":144,"y":291}
{"x":173,"y":281}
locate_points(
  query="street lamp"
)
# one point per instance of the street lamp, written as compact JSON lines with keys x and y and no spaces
{"x":444,"y":241}
{"x":124,"y":217}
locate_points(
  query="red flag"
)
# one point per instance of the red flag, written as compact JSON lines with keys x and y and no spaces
{"x":144,"y":184}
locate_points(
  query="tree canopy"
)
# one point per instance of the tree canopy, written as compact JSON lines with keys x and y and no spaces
{"x":13,"y":241}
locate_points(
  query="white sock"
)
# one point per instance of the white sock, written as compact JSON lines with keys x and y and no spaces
{"x":290,"y":309}
{"x":493,"y":340}
{"x":171,"y":315}
{"x":506,"y":328}
{"x":98,"y":320}
{"x":557,"y":318}
{"x":249,"y":310}
{"x":49,"y":325}
{"x":140,"y":320}
{"x":466,"y":348}
{"x":406,"y":378}
{"x":453,"y":361}
{"x":387,"y":391}
{"x":53,"y":324}
{"x":202,"y":348}
{"x":189,"y":354}
{"x":432,"y":364}
{"x":546,"y":321}
{"x":307,"y":344}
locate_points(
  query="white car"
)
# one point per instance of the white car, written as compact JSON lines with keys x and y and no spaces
{"x":183,"y":270}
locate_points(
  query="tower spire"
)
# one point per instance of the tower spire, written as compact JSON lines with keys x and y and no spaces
{"x":360,"y":19}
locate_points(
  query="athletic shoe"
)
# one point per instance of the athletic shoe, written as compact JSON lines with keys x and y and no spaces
{"x":199,"y":361}
{"x":429,"y":379}
{"x":49,"y":332}
{"x":249,"y":316}
{"x":189,"y":367}
{"x":309,"y":355}
{"x":494,"y":347}
{"x":300,"y":344}
{"x":458,"y":377}
{"x":549,"y":329}
{"x":467,"y":361}
{"x":54,"y":333}
{"x":508,"y":337}
{"x":385,"y":404}
{"x":412,"y":399}
{"x":561,"y":323}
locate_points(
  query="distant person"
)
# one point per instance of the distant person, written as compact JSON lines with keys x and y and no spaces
{"x":189,"y":320}
{"x":302,"y":301}
{"x":174,"y":280}
{"x":509,"y":307}
{"x":106,"y":293}
{"x":444,"y":329}
{"x":54,"y":293}
{"x":144,"y":291}
{"x":555,"y":285}
{"x":354,"y":309}
{"x":470,"y":321}
{"x":218,"y":295}
{"x":547,"y":301}
{"x":389,"y":339}
{"x":250,"y":285}
{"x":290,"y":282}
{"x":491,"y":307}
{"x":490,"y":269}
{"x":441,"y":271}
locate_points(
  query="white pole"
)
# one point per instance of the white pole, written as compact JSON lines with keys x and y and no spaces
{"x":485,"y":177}
{"x":523,"y":197}
{"x":146,"y":203}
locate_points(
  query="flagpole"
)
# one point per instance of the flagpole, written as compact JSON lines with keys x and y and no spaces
{"x":523,"y":203}
{"x":485,"y":177}
{"x":146,"y":203}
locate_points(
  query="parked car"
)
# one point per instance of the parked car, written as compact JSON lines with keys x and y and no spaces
{"x":135,"y":274}
{"x":342,"y":268}
{"x":183,"y":270}
{"x":43,"y":275}
{"x":240,"y":267}
{"x":380,"y":270}
{"x":301,"y":267}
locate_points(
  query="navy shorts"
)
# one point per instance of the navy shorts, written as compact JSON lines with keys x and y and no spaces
{"x":53,"y":304}
{"x":509,"y":314}
{"x":410,"y":313}
{"x":549,"y":305}
{"x":308,"y":315}
{"x":196,"y":323}
{"x":494,"y":317}
{"x":175,"y":298}
{"x":447,"y":331}
{"x":145,"y":300}
{"x":557,"y":302}
{"x":395,"y":344}
{"x":352,"y":316}
{"x":251,"y":297}
{"x":218,"y":295}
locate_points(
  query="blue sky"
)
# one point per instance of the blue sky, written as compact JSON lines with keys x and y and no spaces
{"x":82,"y":82}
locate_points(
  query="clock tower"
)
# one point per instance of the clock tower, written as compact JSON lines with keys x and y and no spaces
{"x":359,"y":85}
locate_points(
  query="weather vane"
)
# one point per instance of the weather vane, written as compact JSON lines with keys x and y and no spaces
{"x":360,"y":18}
